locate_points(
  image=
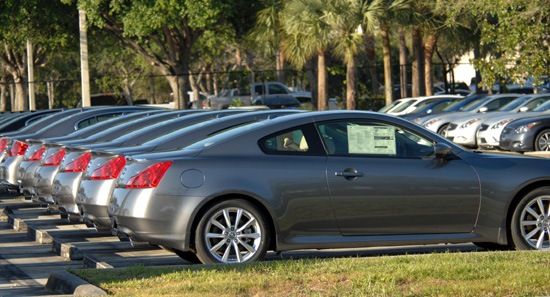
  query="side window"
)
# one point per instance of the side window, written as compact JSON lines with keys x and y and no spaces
{"x":275,"y":89}
{"x":536,"y":103}
{"x":259,"y":90}
{"x":288,"y":141}
{"x":440,"y":107}
{"x":373,"y":139}
{"x":87,"y":122}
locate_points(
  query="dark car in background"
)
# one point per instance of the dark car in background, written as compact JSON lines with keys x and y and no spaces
{"x":526,"y":135}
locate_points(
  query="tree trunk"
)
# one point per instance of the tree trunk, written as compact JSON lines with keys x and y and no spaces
{"x":175,"y":82}
{"x":209,"y":79}
{"x":418,"y":64}
{"x":371,"y":61}
{"x":280,"y":57}
{"x":429,"y":49}
{"x":312,"y":76}
{"x":388,"y":85}
{"x":322,"y":82}
{"x":402,"y":62}
{"x":351,"y":85}
{"x":21,"y":103}
{"x":477,"y":55}
{"x":12,"y":96}
{"x":50,"y":86}
{"x":3,"y":94}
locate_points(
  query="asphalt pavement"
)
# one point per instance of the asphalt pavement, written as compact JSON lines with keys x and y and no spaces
{"x":38,"y":247}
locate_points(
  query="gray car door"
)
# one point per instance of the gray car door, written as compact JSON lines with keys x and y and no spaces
{"x":384,"y":180}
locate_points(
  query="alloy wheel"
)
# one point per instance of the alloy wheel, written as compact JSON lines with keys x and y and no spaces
{"x":232,"y":235}
{"x":534,"y":223}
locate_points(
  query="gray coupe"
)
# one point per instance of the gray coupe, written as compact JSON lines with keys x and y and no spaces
{"x":322,"y":180}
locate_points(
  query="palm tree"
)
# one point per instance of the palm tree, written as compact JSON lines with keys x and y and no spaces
{"x":393,"y":11}
{"x":309,"y":25}
{"x":355,"y":17}
{"x":268,"y":35}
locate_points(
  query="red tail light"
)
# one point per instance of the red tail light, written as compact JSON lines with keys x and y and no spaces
{"x":3,"y":144}
{"x":18,"y":148}
{"x":55,"y":159}
{"x":37,"y":155}
{"x":150,"y":177}
{"x":110,"y":169}
{"x":80,"y":164}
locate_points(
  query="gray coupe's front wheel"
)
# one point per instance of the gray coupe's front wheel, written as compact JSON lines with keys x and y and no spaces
{"x":542,"y":142}
{"x":530,"y":225}
{"x":233,"y":231}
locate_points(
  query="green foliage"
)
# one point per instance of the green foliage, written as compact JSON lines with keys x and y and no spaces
{"x":49,"y":24}
{"x":516,"y":34}
{"x":237,"y":102}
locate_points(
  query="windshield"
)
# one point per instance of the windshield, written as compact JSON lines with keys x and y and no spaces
{"x":404,"y":106}
{"x":544,"y":107}
{"x":514,"y":104}
{"x":390,"y":106}
{"x":474,"y":105}
{"x":422,"y":105}
{"x":458,"y":106}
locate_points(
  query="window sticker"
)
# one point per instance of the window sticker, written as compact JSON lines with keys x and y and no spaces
{"x":371,"y":140}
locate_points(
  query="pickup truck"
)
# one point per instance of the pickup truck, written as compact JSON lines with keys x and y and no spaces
{"x":256,"y":93}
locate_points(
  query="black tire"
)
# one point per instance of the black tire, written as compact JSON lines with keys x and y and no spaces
{"x":542,"y":142}
{"x":530,"y":225}
{"x":441,"y":130}
{"x":240,"y":233}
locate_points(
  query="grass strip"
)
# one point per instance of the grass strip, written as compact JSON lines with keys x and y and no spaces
{"x":514,"y":273}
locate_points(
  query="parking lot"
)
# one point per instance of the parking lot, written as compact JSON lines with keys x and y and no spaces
{"x":37,"y":248}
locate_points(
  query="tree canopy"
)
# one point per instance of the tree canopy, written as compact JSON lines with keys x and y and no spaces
{"x":198,"y":44}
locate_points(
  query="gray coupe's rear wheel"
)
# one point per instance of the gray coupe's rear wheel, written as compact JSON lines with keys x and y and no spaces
{"x":530,"y":226}
{"x":542,"y":143}
{"x":233,"y":231}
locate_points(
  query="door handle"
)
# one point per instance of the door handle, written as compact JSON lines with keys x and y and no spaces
{"x":349,"y":174}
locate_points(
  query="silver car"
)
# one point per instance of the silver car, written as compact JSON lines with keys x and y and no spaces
{"x":320,"y":180}
{"x":17,"y":145}
{"x":463,"y":131}
{"x":57,"y":183}
{"x":439,"y":122}
{"x":39,"y":177}
{"x":488,"y":134}
{"x":26,"y":172}
{"x":94,"y":191}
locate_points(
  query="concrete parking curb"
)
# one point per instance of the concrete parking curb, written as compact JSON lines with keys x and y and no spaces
{"x":65,"y":282}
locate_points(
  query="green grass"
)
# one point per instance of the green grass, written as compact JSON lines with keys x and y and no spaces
{"x":439,"y":274}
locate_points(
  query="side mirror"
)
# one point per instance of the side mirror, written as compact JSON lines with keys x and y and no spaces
{"x":442,"y":150}
{"x":483,"y":109}
{"x":429,"y":111}
{"x":524,"y":109}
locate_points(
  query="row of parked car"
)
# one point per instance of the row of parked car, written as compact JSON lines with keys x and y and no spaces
{"x":226,"y":186}
{"x":510,"y":122}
